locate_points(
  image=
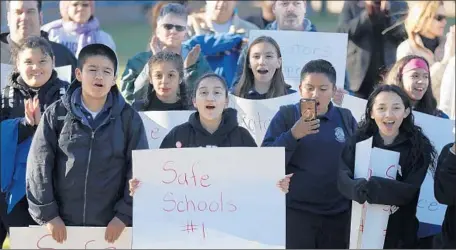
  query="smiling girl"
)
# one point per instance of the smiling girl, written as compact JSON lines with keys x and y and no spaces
{"x":78,"y":27}
{"x":167,"y":90}
{"x":411,"y":73}
{"x":389,"y":120}
{"x":262,"y":76}
{"x":32,"y":87}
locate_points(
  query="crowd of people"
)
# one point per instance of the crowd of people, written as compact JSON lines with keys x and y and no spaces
{"x":67,"y":147}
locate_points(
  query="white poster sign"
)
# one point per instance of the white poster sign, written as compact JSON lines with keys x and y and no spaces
{"x":256,"y":115}
{"x":298,"y":48}
{"x":77,"y":238}
{"x":202,"y":198}
{"x":440,"y":132}
{"x":64,"y":73}
{"x":159,"y":123}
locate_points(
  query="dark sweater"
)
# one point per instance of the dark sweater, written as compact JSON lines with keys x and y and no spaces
{"x":445,"y":193}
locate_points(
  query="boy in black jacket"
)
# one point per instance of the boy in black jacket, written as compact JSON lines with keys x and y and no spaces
{"x":445,"y":193}
{"x":80,"y":159}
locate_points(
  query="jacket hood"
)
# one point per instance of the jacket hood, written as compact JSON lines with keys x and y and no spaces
{"x":45,"y":92}
{"x":118,"y":100}
{"x":228,"y":124}
{"x":4,"y":36}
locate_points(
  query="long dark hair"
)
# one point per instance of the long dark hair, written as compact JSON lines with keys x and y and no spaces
{"x":427,"y":104}
{"x":178,"y":63}
{"x":278,"y":86}
{"x":421,"y":149}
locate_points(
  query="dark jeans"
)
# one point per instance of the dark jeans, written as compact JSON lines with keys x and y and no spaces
{"x":311,"y":231}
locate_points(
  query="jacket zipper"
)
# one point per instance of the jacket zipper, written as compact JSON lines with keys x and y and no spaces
{"x":86,"y":178}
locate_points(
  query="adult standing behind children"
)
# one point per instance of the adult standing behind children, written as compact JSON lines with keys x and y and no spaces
{"x":170,"y":34}
{"x":77,"y":170}
{"x":318,"y":216}
{"x":370,"y":50}
{"x":31,"y":88}
{"x":78,"y":27}
{"x":425,"y":25}
{"x":24,"y":20}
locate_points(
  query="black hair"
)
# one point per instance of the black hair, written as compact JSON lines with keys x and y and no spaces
{"x":421,"y":149}
{"x":178,"y":62}
{"x":33,"y":42}
{"x":210,"y":75}
{"x":319,"y":66}
{"x":39,"y":5}
{"x":427,"y":104}
{"x":97,"y":49}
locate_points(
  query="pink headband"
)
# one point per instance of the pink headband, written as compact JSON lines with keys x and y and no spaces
{"x":416,"y":63}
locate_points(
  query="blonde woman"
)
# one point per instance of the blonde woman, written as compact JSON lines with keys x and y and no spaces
{"x":425,"y":26}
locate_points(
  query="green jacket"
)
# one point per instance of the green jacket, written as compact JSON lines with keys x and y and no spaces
{"x":135,"y":78}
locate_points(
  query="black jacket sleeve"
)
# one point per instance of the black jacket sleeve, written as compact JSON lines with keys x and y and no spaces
{"x":247,"y":139}
{"x":170,"y":139}
{"x":137,"y":140}
{"x":355,"y":25}
{"x":353,"y":189}
{"x":445,"y":177}
{"x":40,"y":167}
{"x":399,"y":193}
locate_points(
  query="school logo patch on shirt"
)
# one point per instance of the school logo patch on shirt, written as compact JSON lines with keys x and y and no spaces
{"x":340,"y":135}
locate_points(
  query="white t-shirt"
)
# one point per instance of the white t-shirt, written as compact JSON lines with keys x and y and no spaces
{"x":93,"y":114}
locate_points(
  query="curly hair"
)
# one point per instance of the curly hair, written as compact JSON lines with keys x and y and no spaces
{"x":178,"y":63}
{"x":421,"y":149}
{"x":427,"y":104}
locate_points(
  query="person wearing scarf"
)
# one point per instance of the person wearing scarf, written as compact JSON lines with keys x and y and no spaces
{"x":78,"y":27}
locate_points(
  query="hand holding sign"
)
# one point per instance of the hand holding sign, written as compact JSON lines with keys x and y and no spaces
{"x":57,"y":228}
{"x":114,"y":230}
{"x":283,"y":184}
{"x":134,"y":184}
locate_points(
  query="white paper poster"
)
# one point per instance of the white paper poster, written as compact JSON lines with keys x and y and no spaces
{"x":64,"y":73}
{"x":198,"y":198}
{"x":159,"y":123}
{"x":298,"y":48}
{"x":256,"y":115}
{"x":77,"y":238}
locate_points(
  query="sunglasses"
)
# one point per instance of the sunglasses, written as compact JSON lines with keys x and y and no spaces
{"x":440,"y":18}
{"x":169,"y":26}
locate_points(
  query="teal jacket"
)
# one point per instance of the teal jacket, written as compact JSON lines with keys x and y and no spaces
{"x":135,"y":78}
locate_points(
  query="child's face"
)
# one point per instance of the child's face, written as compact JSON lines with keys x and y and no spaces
{"x":165,"y":79}
{"x":317,"y":86}
{"x":97,"y":76}
{"x":388,"y":111}
{"x":210,"y":99}
{"x":79,"y":11}
{"x":35,"y":67}
{"x":264,"y":61}
{"x":416,"y":82}
{"x":172,"y":30}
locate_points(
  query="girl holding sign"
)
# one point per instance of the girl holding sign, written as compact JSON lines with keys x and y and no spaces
{"x":445,"y":193}
{"x":389,"y":120}
{"x":262,"y":76}
{"x":412,"y":74}
{"x":166,"y":90}
{"x":32,"y":87}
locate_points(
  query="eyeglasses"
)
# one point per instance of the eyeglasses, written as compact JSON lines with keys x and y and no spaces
{"x":440,"y":17}
{"x":178,"y":28}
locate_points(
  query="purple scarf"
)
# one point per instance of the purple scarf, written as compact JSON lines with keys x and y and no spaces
{"x":87,"y":32}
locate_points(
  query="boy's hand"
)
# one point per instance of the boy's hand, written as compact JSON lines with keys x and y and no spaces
{"x":36,"y":110}
{"x":57,"y":228}
{"x":303,"y":128}
{"x":114,"y":230}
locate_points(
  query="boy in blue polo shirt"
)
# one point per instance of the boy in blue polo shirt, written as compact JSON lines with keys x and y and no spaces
{"x":318,"y":216}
